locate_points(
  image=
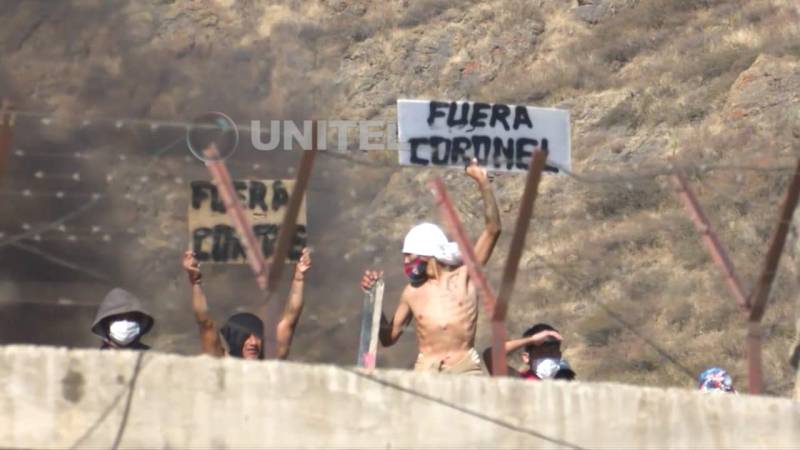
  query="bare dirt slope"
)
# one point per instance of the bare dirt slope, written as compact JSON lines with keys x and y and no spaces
{"x":611,"y":260}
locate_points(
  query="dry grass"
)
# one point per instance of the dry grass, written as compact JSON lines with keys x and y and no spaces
{"x":612,"y":199}
{"x":422,"y":11}
{"x":642,"y":300}
{"x":627,"y":278}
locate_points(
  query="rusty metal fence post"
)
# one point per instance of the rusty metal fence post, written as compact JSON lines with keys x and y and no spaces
{"x":715,"y":248}
{"x":752,"y":306}
{"x":222,"y":179}
{"x":475,"y":272}
{"x":6,"y":134}
{"x":758,"y":301}
{"x":287,"y":230}
{"x":514,"y":254}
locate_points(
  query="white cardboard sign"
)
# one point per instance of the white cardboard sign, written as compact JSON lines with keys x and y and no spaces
{"x":501,"y":137}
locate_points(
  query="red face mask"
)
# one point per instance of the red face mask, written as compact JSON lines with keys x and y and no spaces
{"x":415,"y":269}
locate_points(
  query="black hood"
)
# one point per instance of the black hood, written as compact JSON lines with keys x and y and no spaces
{"x":238,"y":328}
{"x":116,"y":302}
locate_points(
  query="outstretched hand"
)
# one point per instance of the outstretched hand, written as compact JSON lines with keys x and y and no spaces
{"x":370,"y":278}
{"x":303,"y":264}
{"x":476,"y":172}
{"x":192,"y":267}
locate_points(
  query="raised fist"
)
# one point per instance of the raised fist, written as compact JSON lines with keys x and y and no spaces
{"x":303,"y":264}
{"x":192,"y":267}
{"x":369,"y":279}
{"x":476,"y":172}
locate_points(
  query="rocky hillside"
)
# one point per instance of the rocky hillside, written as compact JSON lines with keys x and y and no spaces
{"x":612,"y":260}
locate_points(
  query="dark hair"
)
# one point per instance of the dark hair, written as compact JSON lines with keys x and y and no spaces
{"x":565,"y":374}
{"x":238,"y":328}
{"x":538,"y":328}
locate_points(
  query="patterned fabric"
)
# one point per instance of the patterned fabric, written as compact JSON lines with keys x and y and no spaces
{"x":715,"y":380}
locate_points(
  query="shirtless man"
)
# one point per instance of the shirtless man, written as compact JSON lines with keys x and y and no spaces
{"x":242,"y":336}
{"x":440,"y":295}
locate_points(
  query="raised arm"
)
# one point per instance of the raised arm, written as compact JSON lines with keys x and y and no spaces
{"x":294,"y":307}
{"x":209,"y":337}
{"x":516,"y":344}
{"x":491,"y":232}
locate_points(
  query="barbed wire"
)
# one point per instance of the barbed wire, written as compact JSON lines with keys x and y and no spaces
{"x":48,"y":118}
{"x":62,"y":262}
{"x":72,"y":239}
{"x":42,"y":228}
{"x":60,"y":194}
{"x":669,"y":169}
{"x":20,"y":153}
{"x":642,"y":173}
{"x":630,"y":175}
{"x":645,"y":174}
{"x":619,"y":319}
{"x":70,"y":194}
{"x":61,"y":301}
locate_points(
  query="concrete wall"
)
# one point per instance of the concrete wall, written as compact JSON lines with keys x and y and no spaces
{"x":58,"y":398}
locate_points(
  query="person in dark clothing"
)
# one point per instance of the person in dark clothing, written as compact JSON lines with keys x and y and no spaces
{"x":542,"y":355}
{"x":122,"y":321}
{"x":242,"y":336}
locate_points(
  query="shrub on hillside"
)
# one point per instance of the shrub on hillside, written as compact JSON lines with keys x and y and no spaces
{"x":607,"y":199}
{"x":597,"y":328}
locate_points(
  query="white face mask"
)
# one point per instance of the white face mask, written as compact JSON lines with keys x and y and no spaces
{"x":546,"y":368}
{"x":123,"y":332}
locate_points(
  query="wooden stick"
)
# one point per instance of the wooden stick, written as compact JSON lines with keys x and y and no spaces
{"x":377,"y":310}
{"x":715,"y":248}
{"x":288,"y":228}
{"x":370,"y":325}
{"x":761,"y":293}
{"x":475,"y":272}
{"x":270,"y":311}
{"x":222,"y":179}
{"x":755,"y":375}
{"x":520,"y":231}
{"x":6,"y":134}
{"x":758,"y":301}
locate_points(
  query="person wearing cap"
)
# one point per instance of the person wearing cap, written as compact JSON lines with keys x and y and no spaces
{"x":122,"y":321}
{"x":715,"y":379}
{"x":242,"y":336}
{"x":541,"y":355}
{"x":440,"y":295}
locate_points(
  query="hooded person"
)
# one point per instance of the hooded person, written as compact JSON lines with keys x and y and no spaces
{"x":122,"y":321}
{"x":440,"y":294}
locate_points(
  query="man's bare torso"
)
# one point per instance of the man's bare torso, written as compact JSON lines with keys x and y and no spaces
{"x":446,"y":312}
